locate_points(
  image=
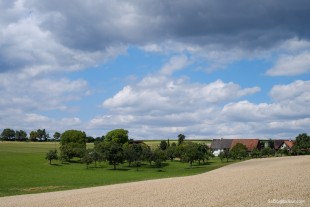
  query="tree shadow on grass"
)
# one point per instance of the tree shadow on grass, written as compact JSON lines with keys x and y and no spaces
{"x":119,"y":169}
{"x":55,"y":164}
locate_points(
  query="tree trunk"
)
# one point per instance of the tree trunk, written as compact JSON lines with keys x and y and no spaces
{"x":50,"y":161}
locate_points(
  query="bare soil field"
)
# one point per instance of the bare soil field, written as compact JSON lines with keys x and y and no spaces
{"x":283,"y":181}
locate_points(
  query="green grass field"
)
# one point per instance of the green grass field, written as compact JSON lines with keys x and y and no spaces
{"x":24,"y":170}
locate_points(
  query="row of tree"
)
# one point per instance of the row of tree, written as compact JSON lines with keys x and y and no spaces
{"x":116,"y":148}
{"x":40,"y":135}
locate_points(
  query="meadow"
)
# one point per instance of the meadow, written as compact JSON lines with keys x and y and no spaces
{"x":25,"y":170}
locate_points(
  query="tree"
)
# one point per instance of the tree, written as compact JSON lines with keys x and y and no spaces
{"x":295,"y":150}
{"x":303,"y":142}
{"x":181,"y":138}
{"x":163,"y":145}
{"x":33,"y":135}
{"x":159,"y":156}
{"x":73,"y":144}
{"x":42,"y":135}
{"x":96,"y":156}
{"x":56,"y":136}
{"x":117,"y":135}
{"x":266,"y":152}
{"x":171,"y":152}
{"x":255,"y":153}
{"x":114,"y":153}
{"x":239,"y":151}
{"x":51,"y":155}
{"x":133,"y":153}
{"x":8,"y":134}
{"x":20,"y":135}
{"x":147,"y":154}
{"x":87,"y":158}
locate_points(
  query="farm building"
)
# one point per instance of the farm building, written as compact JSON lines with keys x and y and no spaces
{"x":250,"y":144}
{"x":219,"y":145}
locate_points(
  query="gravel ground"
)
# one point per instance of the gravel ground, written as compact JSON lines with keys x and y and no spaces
{"x":283,"y":181}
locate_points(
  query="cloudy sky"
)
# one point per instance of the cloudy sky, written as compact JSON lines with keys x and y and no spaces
{"x":204,"y":68}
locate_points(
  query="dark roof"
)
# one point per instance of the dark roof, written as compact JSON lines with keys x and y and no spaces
{"x":250,"y":144}
{"x":278,"y":143}
{"x":221,"y":143}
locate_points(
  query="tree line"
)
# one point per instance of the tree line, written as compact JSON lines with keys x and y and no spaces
{"x":115,"y":148}
{"x":39,"y":135}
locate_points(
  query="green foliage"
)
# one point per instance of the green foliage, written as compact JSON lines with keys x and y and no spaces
{"x":56,"y":135}
{"x":113,"y":152}
{"x":8,"y":134}
{"x":20,"y":135}
{"x":267,"y":151}
{"x":87,"y":158}
{"x":303,"y":142}
{"x":295,"y":150}
{"x":72,"y":144}
{"x":163,"y":145}
{"x":181,"y":138}
{"x":117,"y":135}
{"x":51,"y":155}
{"x":255,"y":153}
{"x":239,"y":151}
{"x":171,"y":152}
{"x":133,"y":153}
{"x":159,"y":156}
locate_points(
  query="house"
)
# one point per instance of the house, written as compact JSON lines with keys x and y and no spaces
{"x":250,"y":144}
{"x":278,"y":143}
{"x":219,"y":145}
{"x":288,"y":144}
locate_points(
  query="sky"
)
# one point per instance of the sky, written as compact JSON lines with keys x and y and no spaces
{"x":202,"y":68}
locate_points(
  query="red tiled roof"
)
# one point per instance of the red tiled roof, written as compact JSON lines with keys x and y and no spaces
{"x":289,"y":144}
{"x":250,"y":144}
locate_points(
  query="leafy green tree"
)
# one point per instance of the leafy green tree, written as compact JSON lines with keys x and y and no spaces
{"x":163,"y":145}
{"x":295,"y":150}
{"x":255,"y":153}
{"x":171,"y":152}
{"x":159,"y":156}
{"x":33,"y":136}
{"x":190,"y":153}
{"x":87,"y":158}
{"x":239,"y":151}
{"x":117,"y":135}
{"x":133,"y":153}
{"x":8,"y":134}
{"x":96,"y":156}
{"x":42,"y":135}
{"x":20,"y":135}
{"x":73,"y":144}
{"x":267,"y":151}
{"x":147,"y":154}
{"x":303,"y":142}
{"x":51,"y":155}
{"x":181,"y":138}
{"x":113,"y":153}
{"x":221,"y":156}
{"x":56,"y":136}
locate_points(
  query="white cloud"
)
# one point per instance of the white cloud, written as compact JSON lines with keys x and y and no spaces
{"x":200,"y":110}
{"x":175,"y":63}
{"x":289,"y":65}
{"x":296,"y":90}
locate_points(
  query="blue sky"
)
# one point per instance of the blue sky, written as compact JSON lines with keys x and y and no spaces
{"x":206,"y":69}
